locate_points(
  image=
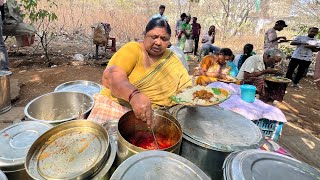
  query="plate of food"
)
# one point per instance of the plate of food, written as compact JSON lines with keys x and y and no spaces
{"x":278,"y":79}
{"x":228,"y":79}
{"x":201,"y":96}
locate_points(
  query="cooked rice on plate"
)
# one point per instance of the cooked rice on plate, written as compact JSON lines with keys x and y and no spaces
{"x":201,"y":95}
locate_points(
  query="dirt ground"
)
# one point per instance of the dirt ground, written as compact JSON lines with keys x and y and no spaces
{"x":301,"y":106}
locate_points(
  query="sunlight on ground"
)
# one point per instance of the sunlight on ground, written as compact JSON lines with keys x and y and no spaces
{"x":287,"y":107}
{"x":298,"y":96}
{"x":300,"y":129}
{"x":35,"y":78}
{"x":309,"y":143}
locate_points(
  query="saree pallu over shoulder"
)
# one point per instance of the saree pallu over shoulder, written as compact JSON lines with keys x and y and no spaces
{"x":164,"y":80}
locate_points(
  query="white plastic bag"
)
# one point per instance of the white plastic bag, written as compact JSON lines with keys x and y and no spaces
{"x":180,"y":55}
{"x":188,"y":48}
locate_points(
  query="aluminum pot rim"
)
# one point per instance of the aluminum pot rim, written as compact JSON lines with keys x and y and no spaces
{"x":57,"y":89}
{"x":109,"y":162}
{"x":60,"y":120}
{"x":47,"y":135}
{"x":136,"y":149}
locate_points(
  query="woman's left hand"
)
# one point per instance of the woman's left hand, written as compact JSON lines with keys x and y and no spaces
{"x":141,"y":106}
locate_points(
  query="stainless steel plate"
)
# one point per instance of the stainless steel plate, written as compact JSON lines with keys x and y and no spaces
{"x":3,"y":176}
{"x":15,"y":142}
{"x":219,"y":129}
{"x":83,"y":86}
{"x":258,"y":164}
{"x":71,"y":150}
{"x":158,"y":165}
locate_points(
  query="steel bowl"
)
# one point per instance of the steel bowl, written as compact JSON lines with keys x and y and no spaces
{"x":163,"y":123}
{"x":83,"y":86}
{"x":58,"y":107}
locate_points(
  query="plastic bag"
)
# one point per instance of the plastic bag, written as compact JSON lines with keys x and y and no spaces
{"x":188,"y":46}
{"x":101,"y":33}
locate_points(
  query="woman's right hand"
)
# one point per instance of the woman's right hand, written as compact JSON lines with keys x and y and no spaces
{"x":141,"y":106}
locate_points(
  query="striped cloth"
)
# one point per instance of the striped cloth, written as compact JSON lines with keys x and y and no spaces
{"x":105,"y":109}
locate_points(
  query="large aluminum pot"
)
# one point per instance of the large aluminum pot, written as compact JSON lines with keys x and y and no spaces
{"x":210,"y":134}
{"x":5,"y":98}
{"x":15,"y":142}
{"x":58,"y":107}
{"x":163,"y":123}
{"x":158,"y":165}
{"x":263,"y":165}
{"x":71,"y":150}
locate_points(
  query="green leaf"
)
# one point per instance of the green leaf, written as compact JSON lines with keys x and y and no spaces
{"x":177,"y":100}
{"x":216,"y":91}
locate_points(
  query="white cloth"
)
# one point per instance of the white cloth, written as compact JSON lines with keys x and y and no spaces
{"x":252,"y":64}
{"x":301,"y":52}
{"x":270,"y":35}
{"x":207,"y":38}
{"x":253,"y":111}
{"x":159,"y":16}
{"x":180,"y":55}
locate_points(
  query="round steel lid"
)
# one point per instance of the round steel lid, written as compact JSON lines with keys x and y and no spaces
{"x":219,"y":129}
{"x":15,"y":142}
{"x":158,"y":165}
{"x":263,"y":165}
{"x":71,"y":150}
{"x":3,"y":176}
{"x":83,"y":86}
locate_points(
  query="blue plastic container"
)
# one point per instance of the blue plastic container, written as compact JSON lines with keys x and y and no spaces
{"x":248,"y":92}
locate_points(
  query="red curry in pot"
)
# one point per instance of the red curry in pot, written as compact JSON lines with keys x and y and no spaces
{"x":145,"y":140}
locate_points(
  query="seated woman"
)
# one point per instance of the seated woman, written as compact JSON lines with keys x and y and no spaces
{"x":213,"y":67}
{"x":241,"y":58}
{"x":141,"y":76}
{"x":255,"y":68}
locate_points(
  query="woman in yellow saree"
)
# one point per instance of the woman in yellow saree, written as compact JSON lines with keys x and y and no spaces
{"x":141,"y":76}
{"x":213,"y":67}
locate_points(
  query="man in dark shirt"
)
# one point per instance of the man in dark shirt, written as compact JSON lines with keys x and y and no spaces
{"x":196,"y":28}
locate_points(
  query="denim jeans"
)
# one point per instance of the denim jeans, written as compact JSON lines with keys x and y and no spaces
{"x":207,"y":48}
{"x":4,"y":62}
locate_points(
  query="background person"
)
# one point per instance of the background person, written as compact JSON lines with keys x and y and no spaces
{"x":213,"y":67}
{"x":207,"y":42}
{"x":317,"y":71}
{"x":302,"y":55}
{"x":196,"y":29}
{"x":185,"y":32}
{"x":256,"y":67}
{"x":241,"y":58}
{"x":4,"y":61}
{"x":162,"y":8}
{"x":141,"y":76}
{"x":179,"y":23}
{"x":271,"y":39}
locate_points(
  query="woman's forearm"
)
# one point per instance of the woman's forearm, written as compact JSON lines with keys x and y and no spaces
{"x":112,"y":76}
